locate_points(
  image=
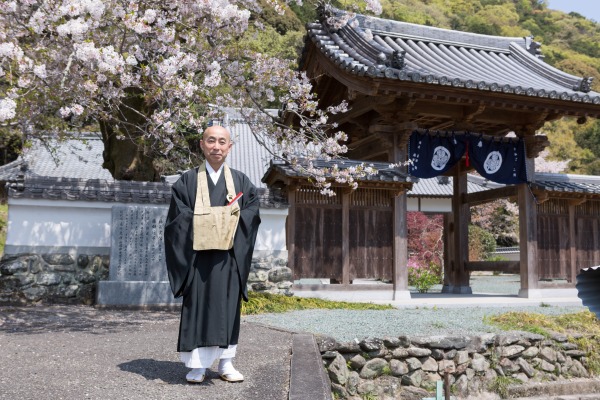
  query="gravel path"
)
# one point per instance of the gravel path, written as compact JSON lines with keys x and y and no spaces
{"x":345,"y":325}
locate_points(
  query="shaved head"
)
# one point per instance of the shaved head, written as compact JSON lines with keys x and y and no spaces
{"x":215,"y":144}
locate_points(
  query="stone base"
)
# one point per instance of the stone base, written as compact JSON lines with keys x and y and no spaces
{"x":455,"y":289}
{"x":548,"y":293}
{"x":402,"y":295}
{"x":135,"y":294}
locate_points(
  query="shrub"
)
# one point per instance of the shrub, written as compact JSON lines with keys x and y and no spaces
{"x":423,"y":278}
{"x":481,"y":243}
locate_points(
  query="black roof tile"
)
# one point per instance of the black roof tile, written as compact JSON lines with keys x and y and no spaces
{"x":410,"y":52}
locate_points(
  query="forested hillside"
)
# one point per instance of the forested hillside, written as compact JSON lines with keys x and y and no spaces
{"x":570,"y":42}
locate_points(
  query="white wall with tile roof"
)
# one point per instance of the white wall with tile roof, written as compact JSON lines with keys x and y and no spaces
{"x":37,"y":224}
{"x":34,"y":225}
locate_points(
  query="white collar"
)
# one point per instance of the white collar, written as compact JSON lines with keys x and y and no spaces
{"x":214,"y":175}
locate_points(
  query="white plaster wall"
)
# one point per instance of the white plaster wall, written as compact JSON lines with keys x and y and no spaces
{"x":58,"y":223}
{"x":429,"y":205}
{"x":62,"y":223}
{"x":271,"y":232}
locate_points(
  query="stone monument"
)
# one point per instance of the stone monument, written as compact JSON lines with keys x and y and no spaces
{"x":138,"y":272}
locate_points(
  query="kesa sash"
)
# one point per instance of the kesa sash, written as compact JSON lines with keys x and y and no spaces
{"x":214,"y":227}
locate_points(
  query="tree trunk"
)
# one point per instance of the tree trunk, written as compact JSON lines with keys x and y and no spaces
{"x":124,"y":150}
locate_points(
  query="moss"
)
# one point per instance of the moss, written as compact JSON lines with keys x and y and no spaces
{"x":501,"y":384}
{"x":582,"y":328}
{"x":260,"y":303}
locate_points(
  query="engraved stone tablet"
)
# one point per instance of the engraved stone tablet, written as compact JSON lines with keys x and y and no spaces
{"x":137,"y":248}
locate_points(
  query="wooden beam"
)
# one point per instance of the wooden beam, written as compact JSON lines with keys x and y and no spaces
{"x":577,"y":202}
{"x":487,"y":196}
{"x":359,"y":107}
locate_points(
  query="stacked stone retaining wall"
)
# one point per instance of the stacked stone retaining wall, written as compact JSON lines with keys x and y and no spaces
{"x":51,"y":278}
{"x":73,"y":278}
{"x":409,"y":367}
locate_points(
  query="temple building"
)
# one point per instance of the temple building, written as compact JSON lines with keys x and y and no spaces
{"x":461,"y":102}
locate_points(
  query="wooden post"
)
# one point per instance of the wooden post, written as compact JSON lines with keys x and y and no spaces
{"x":400,"y":273}
{"x":458,"y":281}
{"x":291,"y":230}
{"x":346,"y":237}
{"x":572,"y":245}
{"x":447,"y":236}
{"x":528,"y":243}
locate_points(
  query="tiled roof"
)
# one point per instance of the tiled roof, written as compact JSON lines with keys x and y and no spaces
{"x":416,"y":53}
{"x":91,"y":189}
{"x":386,"y":174}
{"x":567,"y":183}
{"x":442,"y":186}
{"x":72,"y":158}
{"x":246,"y":155}
{"x":10,"y":171}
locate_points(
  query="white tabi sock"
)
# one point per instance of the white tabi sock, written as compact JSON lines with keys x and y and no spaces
{"x":226,"y":366}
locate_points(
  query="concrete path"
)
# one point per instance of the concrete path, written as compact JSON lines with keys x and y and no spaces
{"x":78,"y":352}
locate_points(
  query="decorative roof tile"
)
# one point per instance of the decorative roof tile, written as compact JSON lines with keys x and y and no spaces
{"x":52,"y":188}
{"x":408,"y":52}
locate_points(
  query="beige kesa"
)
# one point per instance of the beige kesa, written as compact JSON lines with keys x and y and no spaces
{"x":214,"y":227}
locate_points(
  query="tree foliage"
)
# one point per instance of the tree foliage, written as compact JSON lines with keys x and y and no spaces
{"x":152,"y":74}
{"x":425,"y":240}
{"x":148,"y":72}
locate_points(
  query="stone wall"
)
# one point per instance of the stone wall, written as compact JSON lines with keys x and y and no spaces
{"x":271,"y":275}
{"x":51,"y":278}
{"x":409,"y":367}
{"x":72,"y":279}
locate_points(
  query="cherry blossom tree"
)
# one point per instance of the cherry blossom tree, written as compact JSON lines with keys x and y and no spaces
{"x":150,"y":74}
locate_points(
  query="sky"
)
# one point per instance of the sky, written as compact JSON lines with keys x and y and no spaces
{"x":588,"y":8}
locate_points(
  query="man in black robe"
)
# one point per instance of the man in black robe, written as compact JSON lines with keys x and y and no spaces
{"x":212,"y":282}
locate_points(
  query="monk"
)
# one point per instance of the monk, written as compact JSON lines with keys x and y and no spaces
{"x":211,"y":282}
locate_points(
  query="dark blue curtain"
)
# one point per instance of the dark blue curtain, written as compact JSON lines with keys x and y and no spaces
{"x":498,"y":161}
{"x":502,"y":161}
{"x":432,"y":155}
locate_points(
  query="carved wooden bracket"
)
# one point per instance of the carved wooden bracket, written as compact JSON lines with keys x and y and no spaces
{"x":577,"y":202}
{"x":472,"y":112}
{"x":534,"y":145}
{"x":541,"y":196}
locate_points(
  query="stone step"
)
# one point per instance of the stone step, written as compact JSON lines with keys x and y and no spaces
{"x":573,"y":389}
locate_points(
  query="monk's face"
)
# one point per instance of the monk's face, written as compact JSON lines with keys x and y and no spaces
{"x":215,"y":144}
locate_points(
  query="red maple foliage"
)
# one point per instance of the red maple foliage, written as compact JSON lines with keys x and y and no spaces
{"x":425,"y":238}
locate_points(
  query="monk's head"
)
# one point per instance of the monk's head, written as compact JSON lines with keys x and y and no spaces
{"x":216,"y":143}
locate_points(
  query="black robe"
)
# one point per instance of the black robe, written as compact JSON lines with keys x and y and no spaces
{"x":212,"y":282}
